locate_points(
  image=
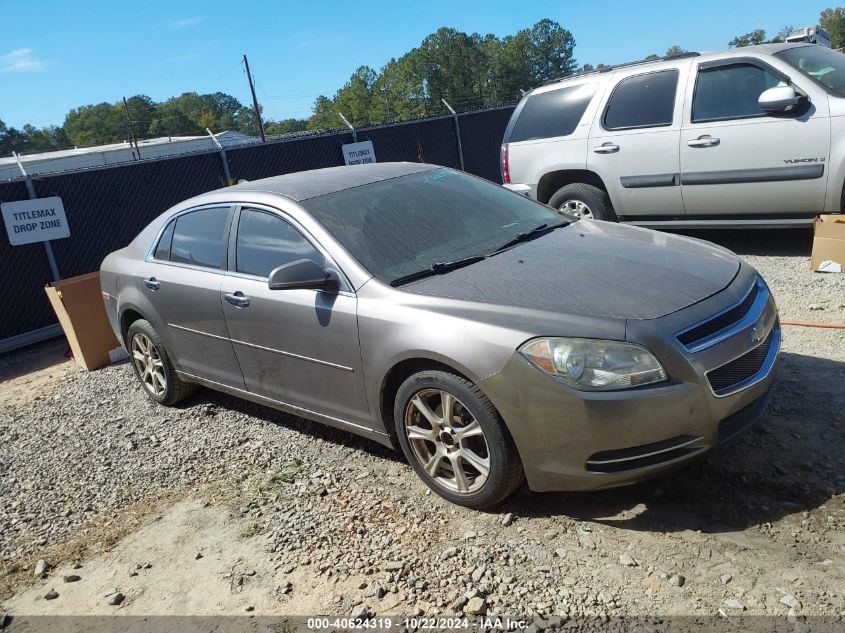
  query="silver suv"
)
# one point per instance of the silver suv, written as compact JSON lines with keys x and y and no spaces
{"x":746,"y":137}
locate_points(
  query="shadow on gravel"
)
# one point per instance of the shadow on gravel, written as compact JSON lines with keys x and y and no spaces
{"x":214,"y":399}
{"x":780,"y":242}
{"x":792,"y":460}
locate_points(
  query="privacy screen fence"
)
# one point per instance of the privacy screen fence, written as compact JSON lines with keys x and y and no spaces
{"x":106,"y":207}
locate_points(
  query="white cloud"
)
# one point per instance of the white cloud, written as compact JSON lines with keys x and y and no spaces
{"x":186,"y":23}
{"x":19,"y":61}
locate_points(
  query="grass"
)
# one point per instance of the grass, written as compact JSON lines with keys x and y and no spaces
{"x":249,"y":487}
{"x":248,"y":531}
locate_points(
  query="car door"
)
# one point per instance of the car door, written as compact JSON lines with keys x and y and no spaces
{"x":297,"y":346}
{"x":735,"y":158}
{"x":634,"y":141}
{"x":182,"y":280}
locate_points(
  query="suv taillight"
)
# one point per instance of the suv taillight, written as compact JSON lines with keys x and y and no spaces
{"x":506,"y":174}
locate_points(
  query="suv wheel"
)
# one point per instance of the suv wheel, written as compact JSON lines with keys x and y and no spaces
{"x":153,"y":367}
{"x":583,"y":201}
{"x":455,"y":440}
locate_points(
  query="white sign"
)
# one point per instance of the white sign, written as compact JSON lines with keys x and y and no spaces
{"x":359,"y":153}
{"x":36,"y":220}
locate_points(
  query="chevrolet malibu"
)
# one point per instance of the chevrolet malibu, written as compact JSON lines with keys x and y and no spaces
{"x":492,"y":338}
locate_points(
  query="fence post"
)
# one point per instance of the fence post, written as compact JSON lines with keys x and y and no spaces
{"x":457,"y":133}
{"x":349,"y":125}
{"x":48,"y":248}
{"x":222,"y":157}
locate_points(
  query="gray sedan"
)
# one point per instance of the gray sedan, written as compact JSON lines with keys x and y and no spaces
{"x":492,"y":338}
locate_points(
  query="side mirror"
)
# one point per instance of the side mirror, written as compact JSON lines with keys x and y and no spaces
{"x":779,"y":100}
{"x":303,"y":273}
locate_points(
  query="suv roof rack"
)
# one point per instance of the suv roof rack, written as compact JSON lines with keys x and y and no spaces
{"x":607,"y":69}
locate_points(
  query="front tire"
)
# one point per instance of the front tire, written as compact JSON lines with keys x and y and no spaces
{"x":153,"y":367}
{"x":455,"y":440}
{"x":583,"y":201}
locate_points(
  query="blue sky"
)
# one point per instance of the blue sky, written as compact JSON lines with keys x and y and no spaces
{"x":59,"y":55}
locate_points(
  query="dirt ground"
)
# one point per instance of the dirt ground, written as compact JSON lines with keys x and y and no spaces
{"x":321,"y":522}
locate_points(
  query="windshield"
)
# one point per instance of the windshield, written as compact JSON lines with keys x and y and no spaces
{"x":824,"y":66}
{"x":400,"y":226}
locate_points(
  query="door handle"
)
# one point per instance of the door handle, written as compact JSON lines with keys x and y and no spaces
{"x":237,"y":299}
{"x":703,"y":141}
{"x":606,"y":148}
{"x":152,"y":283}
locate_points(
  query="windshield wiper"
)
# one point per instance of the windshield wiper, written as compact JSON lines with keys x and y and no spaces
{"x":536,"y":232}
{"x":438,"y":268}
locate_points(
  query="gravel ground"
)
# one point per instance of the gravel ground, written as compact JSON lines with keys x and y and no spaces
{"x":759,"y":527}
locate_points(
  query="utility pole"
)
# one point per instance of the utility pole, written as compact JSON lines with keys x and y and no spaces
{"x":254,"y":101}
{"x":130,"y":129}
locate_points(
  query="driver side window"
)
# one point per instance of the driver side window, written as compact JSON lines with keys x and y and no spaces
{"x":265,"y":241}
{"x":730,"y":92}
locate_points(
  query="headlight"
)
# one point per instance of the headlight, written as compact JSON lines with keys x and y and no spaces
{"x":594,"y":365}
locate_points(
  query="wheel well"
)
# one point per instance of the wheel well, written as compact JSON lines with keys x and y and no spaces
{"x":554,"y":180}
{"x":128,"y":317}
{"x":394,"y":379}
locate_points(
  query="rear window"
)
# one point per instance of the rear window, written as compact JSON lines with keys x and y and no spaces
{"x":642,"y":101}
{"x":200,"y":238}
{"x":553,"y":113}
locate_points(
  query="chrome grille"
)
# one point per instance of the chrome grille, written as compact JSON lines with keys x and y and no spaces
{"x":694,"y":336}
{"x":734,"y":375}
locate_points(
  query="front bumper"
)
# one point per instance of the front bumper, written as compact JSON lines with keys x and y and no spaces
{"x":571,"y":440}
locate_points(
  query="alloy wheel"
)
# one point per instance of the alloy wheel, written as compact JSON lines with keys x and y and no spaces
{"x":149,"y":364}
{"x":447,"y":441}
{"x":577,"y":208}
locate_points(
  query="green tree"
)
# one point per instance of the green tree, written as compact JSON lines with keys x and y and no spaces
{"x":757,"y":36}
{"x":96,"y":124}
{"x":354,"y":99}
{"x":675,"y":50}
{"x":324,"y":117}
{"x":781,"y":36}
{"x":833,"y":21}
{"x":467,"y":70}
{"x":552,"y":49}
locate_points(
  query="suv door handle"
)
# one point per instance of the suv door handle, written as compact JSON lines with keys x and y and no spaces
{"x":703,"y":141}
{"x":606,"y":148}
{"x":237,"y":299}
{"x":152,"y":283}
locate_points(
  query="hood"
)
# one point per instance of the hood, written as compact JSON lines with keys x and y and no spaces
{"x":596,"y":269}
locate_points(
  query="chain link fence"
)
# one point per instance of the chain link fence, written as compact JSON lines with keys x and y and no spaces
{"x":107,"y":206}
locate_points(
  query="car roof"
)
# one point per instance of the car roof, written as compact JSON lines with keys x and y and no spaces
{"x":766,"y":49}
{"x":303,"y":185}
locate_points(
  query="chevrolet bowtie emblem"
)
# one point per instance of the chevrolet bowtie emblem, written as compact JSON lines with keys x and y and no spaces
{"x":758,"y":332}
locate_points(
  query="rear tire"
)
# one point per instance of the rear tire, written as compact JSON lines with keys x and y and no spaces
{"x":152,"y":365}
{"x":466,"y":456}
{"x":584,"y":201}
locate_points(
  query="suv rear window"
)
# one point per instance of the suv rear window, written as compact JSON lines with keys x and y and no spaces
{"x":553,"y":113}
{"x":642,"y":101}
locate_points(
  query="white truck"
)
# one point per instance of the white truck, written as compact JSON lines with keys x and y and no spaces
{"x":811,"y":34}
{"x":751,"y":137}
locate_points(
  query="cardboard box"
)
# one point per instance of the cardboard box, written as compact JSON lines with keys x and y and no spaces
{"x":78,"y":303}
{"x":828,"y":241}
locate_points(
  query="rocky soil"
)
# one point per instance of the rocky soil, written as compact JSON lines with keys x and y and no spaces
{"x":340,"y":525}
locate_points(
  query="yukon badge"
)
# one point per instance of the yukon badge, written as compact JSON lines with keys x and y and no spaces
{"x":790,"y":161}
